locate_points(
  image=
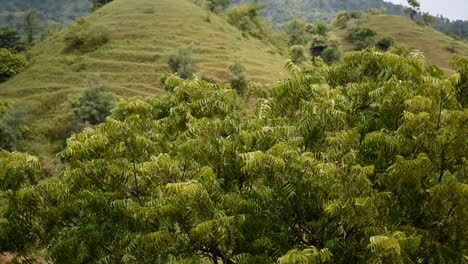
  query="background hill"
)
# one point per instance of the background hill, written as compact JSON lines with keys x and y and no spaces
{"x":143,"y":34}
{"x":281,"y":11}
{"x":437,"y":47}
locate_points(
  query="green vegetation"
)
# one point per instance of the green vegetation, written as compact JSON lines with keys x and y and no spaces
{"x":12,"y":126}
{"x":10,"y":64}
{"x":297,"y":54}
{"x":92,"y":107}
{"x":331,"y":54}
{"x":362,"y":37}
{"x":141,"y":39}
{"x":216,"y":5}
{"x":385,"y":43}
{"x":433,"y":44}
{"x":9,"y":39}
{"x":84,"y":37}
{"x":182,"y":63}
{"x":363,"y":161}
{"x":238,"y":79}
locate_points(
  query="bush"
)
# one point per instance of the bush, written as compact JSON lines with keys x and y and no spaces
{"x":385,"y":43}
{"x":83,"y":37}
{"x":362,"y":37}
{"x":297,"y":54}
{"x":320,"y":28}
{"x":9,"y":39}
{"x":341,"y":19}
{"x":238,"y":77}
{"x":400,"y":50}
{"x":10,"y":64}
{"x":331,"y":54}
{"x":377,"y":11}
{"x":182,"y":63}
{"x":12,"y":126}
{"x":92,"y":108}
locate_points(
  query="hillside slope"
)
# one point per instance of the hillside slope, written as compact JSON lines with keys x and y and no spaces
{"x":143,"y":34}
{"x":434,"y":44}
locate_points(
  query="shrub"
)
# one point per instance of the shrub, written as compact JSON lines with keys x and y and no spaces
{"x":10,"y":64}
{"x":9,"y":39}
{"x":377,"y":11}
{"x":92,"y":107}
{"x":182,"y":63}
{"x":331,"y":54}
{"x":12,"y":126}
{"x":341,"y":19}
{"x":362,"y":37}
{"x":238,"y":77}
{"x":320,"y":28}
{"x":297,"y":54}
{"x":83,"y":37}
{"x":385,"y":43}
{"x":401,"y":50}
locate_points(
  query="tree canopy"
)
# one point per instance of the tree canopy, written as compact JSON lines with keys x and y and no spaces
{"x":363,"y":161}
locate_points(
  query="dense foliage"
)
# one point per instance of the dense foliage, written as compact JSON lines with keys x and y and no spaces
{"x":11,"y":64}
{"x":183,"y":63}
{"x":360,"y":162}
{"x":84,"y":37}
{"x":10,"y":39}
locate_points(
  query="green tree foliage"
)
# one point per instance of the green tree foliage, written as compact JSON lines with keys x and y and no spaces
{"x":30,"y":25}
{"x":12,"y":126}
{"x":362,"y":37}
{"x":319,"y":28}
{"x":10,"y":64}
{"x":216,"y":5}
{"x":238,"y":78}
{"x":297,"y":54}
{"x":83,"y":37}
{"x":461,"y":78}
{"x":413,"y":8}
{"x":428,"y":19}
{"x":360,"y":162}
{"x":331,"y":54}
{"x":247,"y":18}
{"x":92,"y":107}
{"x":296,"y":30}
{"x":9,"y":39}
{"x":183,"y":64}
{"x":385,"y":43}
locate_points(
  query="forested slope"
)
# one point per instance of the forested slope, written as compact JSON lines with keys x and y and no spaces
{"x":142,"y":35}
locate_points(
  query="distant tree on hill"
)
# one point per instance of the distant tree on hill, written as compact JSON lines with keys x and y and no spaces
{"x":10,"y":39}
{"x":385,"y":43}
{"x":331,"y":54}
{"x":237,"y":77}
{"x":297,"y":54}
{"x":296,"y":30}
{"x":30,"y":25}
{"x":362,"y":37}
{"x":10,"y":64}
{"x":182,"y":63}
{"x":319,"y":28}
{"x":92,"y":107}
{"x":428,"y":19}
{"x":216,"y":5}
{"x":413,"y":9}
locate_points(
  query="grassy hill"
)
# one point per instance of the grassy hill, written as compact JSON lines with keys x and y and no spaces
{"x":434,"y":44}
{"x":143,"y":34}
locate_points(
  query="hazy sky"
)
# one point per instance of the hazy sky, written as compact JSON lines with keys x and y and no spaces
{"x":453,"y":9}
